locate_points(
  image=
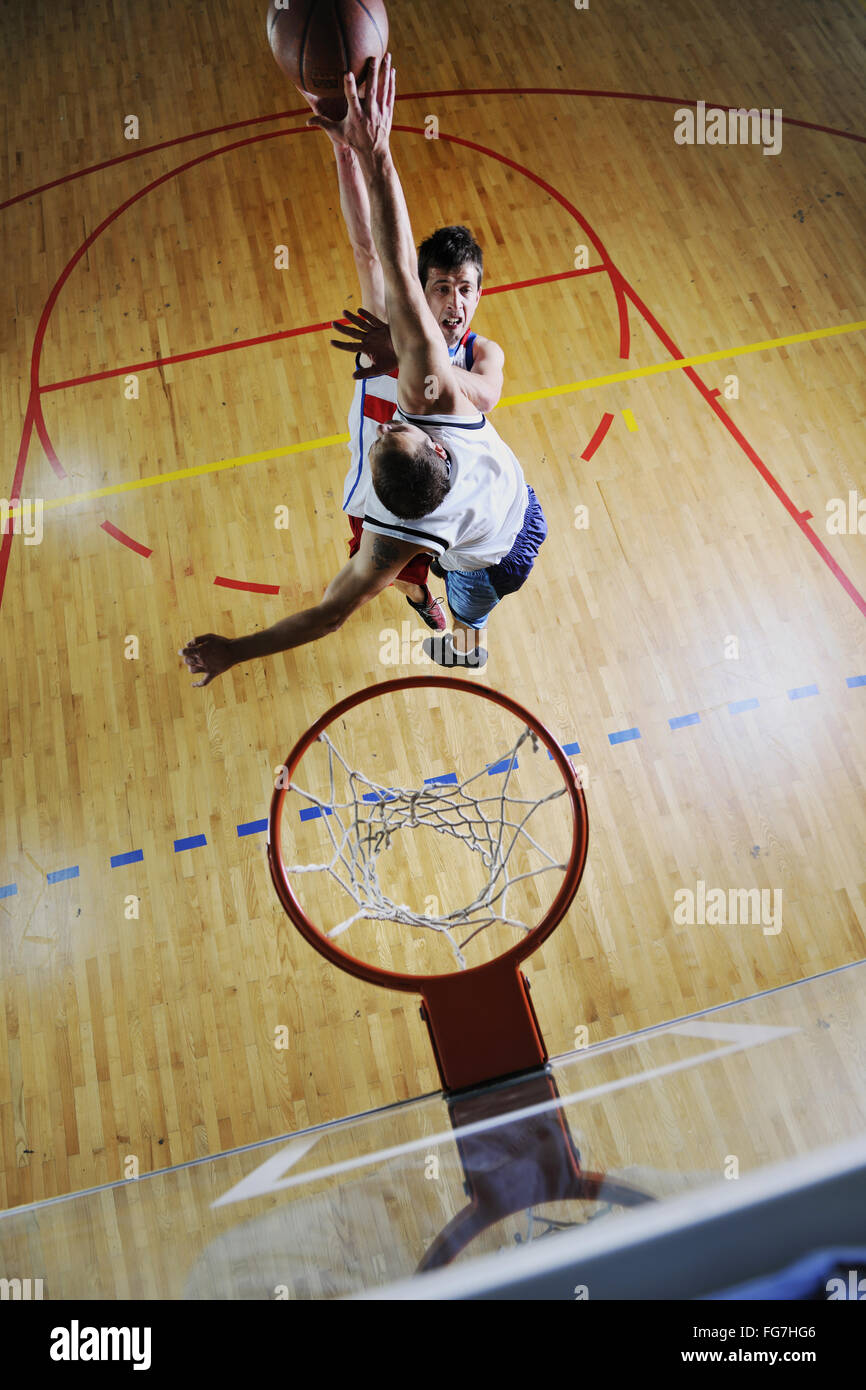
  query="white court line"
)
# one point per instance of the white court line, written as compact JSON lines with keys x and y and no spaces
{"x":726,"y":1032}
{"x":260,"y":1183}
{"x":287,"y":1158}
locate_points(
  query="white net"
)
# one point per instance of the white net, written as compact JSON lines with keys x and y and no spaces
{"x":362,"y":825}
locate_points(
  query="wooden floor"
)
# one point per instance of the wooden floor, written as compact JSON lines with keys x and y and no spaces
{"x":706,"y":580}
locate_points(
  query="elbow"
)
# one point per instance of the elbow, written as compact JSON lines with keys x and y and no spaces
{"x":332,"y":620}
{"x":487,"y":400}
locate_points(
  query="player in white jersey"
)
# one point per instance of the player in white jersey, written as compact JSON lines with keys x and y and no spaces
{"x":450,"y":268}
{"x":443,"y":482}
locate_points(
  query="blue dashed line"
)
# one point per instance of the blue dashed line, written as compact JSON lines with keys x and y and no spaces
{"x":191,"y":842}
{"x":60,"y":875}
{"x":683,"y":720}
{"x":377,"y":796}
{"x":257,"y":827}
{"x":252,"y":827}
{"x":134,"y":856}
{"x":569,"y":748}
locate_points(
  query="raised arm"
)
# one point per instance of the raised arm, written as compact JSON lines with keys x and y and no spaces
{"x":378,"y":561}
{"x":355,"y":207}
{"x":426,"y":384}
{"x":483,"y":384}
{"x":355,"y":204}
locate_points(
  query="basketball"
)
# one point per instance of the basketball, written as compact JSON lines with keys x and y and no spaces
{"x":316,"y":41}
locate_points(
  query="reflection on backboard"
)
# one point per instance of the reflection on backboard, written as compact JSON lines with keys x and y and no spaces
{"x":355,"y":1205}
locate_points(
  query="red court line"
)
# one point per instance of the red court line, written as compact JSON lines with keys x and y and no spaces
{"x":603,"y":427}
{"x":185,"y":357}
{"x":44,"y":440}
{"x":35,"y":391}
{"x":622,"y":290}
{"x":124,"y":539}
{"x":413,"y":96}
{"x":800,"y":517}
{"x":622,"y":309}
{"x":545,"y":279}
{"x":616,"y":280}
{"x":34,"y":408}
{"x":15,"y":492}
{"x":249,"y":588}
{"x":283,"y":334}
{"x":34,"y":414}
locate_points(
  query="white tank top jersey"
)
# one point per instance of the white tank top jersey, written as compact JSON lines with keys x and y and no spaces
{"x":373,"y":404}
{"x":478,"y":521}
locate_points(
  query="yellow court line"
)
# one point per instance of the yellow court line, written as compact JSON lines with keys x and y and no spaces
{"x":308,"y":445}
{"x":630,"y":421}
{"x":677,"y":363}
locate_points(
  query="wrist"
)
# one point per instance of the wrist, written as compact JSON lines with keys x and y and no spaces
{"x":374,"y":162}
{"x":239,"y":649}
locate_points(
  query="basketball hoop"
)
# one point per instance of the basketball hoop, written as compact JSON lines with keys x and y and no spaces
{"x":480,"y":1018}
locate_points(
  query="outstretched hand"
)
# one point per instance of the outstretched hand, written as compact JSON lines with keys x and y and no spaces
{"x":210,"y":655}
{"x":372,"y":337}
{"x":320,"y":107}
{"x":366,"y":127}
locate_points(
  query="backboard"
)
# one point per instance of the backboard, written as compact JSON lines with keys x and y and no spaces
{"x":351,"y":1207}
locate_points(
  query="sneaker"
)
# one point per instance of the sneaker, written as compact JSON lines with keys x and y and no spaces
{"x":430,"y":609}
{"x":441,"y":650}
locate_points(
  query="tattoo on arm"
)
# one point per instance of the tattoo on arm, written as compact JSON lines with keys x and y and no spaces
{"x":385,"y":552}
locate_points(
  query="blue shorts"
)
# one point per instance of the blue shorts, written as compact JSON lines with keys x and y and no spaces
{"x":473,"y":594}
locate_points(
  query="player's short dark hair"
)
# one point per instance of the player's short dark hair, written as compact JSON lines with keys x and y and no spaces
{"x":448,"y":249}
{"x":410,"y":485}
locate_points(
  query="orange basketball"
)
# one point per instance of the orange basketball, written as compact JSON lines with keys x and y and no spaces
{"x":316,"y":41}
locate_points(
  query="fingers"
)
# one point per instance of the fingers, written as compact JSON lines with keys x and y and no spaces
{"x":353,"y":319}
{"x":363,"y":319}
{"x":346,"y":347}
{"x":386,"y":97}
{"x":359,"y":324}
{"x":323,"y":123}
{"x":351,"y":93}
{"x":194,"y":660}
{"x":372,"y":99}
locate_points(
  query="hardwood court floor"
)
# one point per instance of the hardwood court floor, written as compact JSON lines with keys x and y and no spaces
{"x":702,"y":590}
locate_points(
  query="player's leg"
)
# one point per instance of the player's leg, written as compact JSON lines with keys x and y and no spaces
{"x":473,"y":594}
{"x":412,"y":581}
{"x":471,"y":599}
